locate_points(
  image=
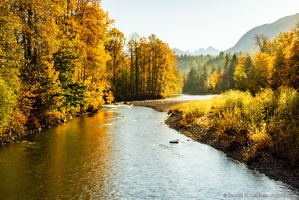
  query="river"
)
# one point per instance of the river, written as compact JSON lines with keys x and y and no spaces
{"x":124,"y":153}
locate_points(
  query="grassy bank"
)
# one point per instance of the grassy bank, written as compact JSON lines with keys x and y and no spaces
{"x":255,"y":125}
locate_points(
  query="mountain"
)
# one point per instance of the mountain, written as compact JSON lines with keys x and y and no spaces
{"x":179,"y":52}
{"x":246,"y":42}
{"x":209,"y":51}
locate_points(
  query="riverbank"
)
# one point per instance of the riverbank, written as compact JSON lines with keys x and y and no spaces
{"x":161,"y":105}
{"x":266,"y":163}
{"x":272,"y":167}
{"x":13,"y":136}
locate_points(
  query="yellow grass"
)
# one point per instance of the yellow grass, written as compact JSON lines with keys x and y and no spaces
{"x":265,"y":122}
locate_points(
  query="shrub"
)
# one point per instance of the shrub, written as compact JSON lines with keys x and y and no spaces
{"x":267,"y":122}
{"x":54,"y":118}
{"x":258,"y":141}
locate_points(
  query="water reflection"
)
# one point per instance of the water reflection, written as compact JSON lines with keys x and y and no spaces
{"x":68,"y":161}
{"x":123,"y":153}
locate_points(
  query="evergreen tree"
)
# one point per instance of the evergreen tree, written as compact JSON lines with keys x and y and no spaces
{"x":192,"y":81}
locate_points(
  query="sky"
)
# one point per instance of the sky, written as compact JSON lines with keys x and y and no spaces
{"x":193,"y":24}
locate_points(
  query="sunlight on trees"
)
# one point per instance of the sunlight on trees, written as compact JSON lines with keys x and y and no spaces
{"x":64,"y":58}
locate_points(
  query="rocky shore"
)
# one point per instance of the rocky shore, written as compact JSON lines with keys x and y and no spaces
{"x":271,"y":166}
{"x":162,"y":105}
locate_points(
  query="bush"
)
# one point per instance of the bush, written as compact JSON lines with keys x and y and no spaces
{"x":265,"y":122}
{"x":258,"y":141}
{"x":283,"y":125}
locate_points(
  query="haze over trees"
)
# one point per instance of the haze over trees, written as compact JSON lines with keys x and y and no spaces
{"x":208,"y":74}
{"x":59,"y":58}
{"x":259,"y":118}
{"x":273,"y":66}
{"x":262,"y":117}
{"x":246,"y":44}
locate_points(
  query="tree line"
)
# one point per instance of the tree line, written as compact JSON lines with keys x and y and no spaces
{"x":148,"y":70}
{"x":59,"y":58}
{"x":274,"y":65}
{"x":208,"y":74}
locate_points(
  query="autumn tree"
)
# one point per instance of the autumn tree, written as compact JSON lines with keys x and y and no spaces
{"x":60,"y":57}
{"x":91,"y":71}
{"x":169,"y":78}
{"x":285,"y":60}
{"x":214,"y":80}
{"x":68,"y":57}
{"x":152,"y":68}
{"x":275,"y":65}
{"x":133,"y":48}
{"x":241,"y":75}
{"x":9,"y":61}
{"x":294,"y":79}
{"x":38,"y":39}
{"x":262,"y":42}
{"x":115,"y":46}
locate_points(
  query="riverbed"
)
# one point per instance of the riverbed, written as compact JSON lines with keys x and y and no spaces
{"x":123,"y":152}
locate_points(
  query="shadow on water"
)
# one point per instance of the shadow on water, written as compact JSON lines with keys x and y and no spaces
{"x":124,"y":153}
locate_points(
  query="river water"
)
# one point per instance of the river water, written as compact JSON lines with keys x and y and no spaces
{"x":124,"y":153}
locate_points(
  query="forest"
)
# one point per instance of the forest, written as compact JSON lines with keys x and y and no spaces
{"x":62,"y":58}
{"x":273,"y":66}
{"x":256,"y":114}
{"x":206,"y":74}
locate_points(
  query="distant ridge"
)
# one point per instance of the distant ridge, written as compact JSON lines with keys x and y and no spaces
{"x":179,"y":52}
{"x":246,"y":42}
{"x":208,"y":51}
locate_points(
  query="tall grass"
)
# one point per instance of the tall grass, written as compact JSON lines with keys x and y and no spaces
{"x":267,"y":122}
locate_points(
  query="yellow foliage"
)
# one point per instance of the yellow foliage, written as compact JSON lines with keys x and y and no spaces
{"x":258,"y":141}
{"x":110,"y":97}
{"x":240,"y":75}
{"x":264,"y":68}
{"x":267,"y":122}
{"x":214,"y":79}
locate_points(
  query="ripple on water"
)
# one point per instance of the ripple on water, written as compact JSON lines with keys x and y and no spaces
{"x":124,"y":155}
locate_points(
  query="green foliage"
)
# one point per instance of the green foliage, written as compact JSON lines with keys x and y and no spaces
{"x":74,"y":95}
{"x":186,"y":62}
{"x":65,"y":61}
{"x":8,"y":102}
{"x":190,"y":86}
{"x":275,"y":65}
{"x":208,"y":74}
